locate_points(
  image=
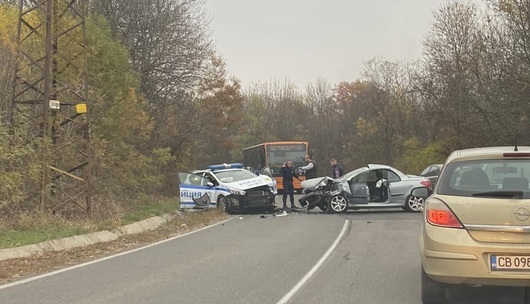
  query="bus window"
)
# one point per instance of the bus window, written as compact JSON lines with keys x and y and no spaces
{"x":273,"y":155}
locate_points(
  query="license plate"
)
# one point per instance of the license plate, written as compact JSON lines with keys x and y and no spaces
{"x":510,"y":262}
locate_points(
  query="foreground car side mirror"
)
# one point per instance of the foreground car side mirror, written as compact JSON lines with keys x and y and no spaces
{"x":420,"y":192}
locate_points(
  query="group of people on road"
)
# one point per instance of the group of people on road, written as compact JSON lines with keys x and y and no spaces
{"x":289,"y":173}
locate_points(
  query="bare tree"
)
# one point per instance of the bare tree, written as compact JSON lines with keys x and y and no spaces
{"x":169,"y":45}
{"x":168,"y":41}
{"x":394,"y":110}
{"x":283,"y":112}
{"x":324,"y":123}
{"x":450,"y":52}
{"x":508,"y":59}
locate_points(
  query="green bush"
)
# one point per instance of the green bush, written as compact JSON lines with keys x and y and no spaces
{"x":416,"y":156}
{"x":19,"y":169}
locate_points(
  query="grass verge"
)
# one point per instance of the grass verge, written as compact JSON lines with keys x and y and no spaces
{"x":32,"y":229}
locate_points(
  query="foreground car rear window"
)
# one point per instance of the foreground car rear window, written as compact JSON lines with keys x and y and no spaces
{"x":499,"y":178}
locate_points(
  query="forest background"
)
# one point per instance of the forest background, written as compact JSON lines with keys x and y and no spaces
{"x":161,"y":101}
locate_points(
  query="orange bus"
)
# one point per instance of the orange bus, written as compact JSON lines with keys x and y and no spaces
{"x":274,"y":154}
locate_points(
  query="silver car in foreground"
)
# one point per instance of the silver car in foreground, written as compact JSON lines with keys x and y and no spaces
{"x":372,"y":186}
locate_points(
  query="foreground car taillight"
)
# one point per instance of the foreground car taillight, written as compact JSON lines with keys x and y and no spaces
{"x":438,"y":214}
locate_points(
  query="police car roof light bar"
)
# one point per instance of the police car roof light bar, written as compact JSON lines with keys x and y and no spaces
{"x":226,"y":166}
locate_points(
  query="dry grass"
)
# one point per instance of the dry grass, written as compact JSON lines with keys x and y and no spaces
{"x":33,"y":227}
{"x":25,"y":229}
{"x":16,"y":269}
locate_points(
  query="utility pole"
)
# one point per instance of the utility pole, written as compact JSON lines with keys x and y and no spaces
{"x":50,"y":95}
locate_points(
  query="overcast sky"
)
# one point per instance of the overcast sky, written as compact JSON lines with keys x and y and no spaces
{"x":302,"y":40}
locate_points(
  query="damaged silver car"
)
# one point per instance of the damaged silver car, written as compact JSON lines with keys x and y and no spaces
{"x":372,"y":186}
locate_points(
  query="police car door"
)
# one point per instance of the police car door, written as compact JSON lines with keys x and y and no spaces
{"x":196,"y":192}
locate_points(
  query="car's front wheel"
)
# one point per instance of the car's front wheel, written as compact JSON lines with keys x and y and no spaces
{"x":414,"y":203}
{"x":432,"y":292}
{"x":222,"y":204}
{"x":337,"y":204}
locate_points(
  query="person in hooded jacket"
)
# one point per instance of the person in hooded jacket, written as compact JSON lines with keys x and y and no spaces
{"x":336,"y":169}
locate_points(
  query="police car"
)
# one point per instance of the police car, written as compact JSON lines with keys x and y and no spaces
{"x":229,"y":187}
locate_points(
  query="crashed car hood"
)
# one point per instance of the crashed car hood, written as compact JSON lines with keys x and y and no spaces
{"x":312,"y":184}
{"x":247,"y":183}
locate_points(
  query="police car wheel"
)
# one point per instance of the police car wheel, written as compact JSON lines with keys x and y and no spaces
{"x":222,"y":203}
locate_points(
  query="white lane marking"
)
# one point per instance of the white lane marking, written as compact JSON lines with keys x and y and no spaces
{"x":311,"y":272}
{"x":25,"y":281}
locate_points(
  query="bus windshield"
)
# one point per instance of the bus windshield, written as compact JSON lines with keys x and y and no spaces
{"x":280,"y":153}
{"x":273,"y":155}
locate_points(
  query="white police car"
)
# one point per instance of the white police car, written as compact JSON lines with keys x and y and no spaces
{"x":227,"y":186}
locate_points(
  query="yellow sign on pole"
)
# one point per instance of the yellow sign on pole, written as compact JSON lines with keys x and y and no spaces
{"x":81,"y":108}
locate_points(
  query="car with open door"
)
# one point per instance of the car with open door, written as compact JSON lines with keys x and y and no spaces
{"x":371,"y":186}
{"x":230,"y":187}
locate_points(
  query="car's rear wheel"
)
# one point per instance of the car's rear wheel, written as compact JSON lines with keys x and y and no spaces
{"x":414,"y":203}
{"x":432,"y":292}
{"x":222,"y":204}
{"x":337,"y":204}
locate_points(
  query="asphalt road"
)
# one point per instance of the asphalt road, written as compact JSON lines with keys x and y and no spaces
{"x":368,"y":257}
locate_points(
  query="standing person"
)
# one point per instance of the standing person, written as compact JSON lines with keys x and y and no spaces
{"x":311,"y":167}
{"x":336,"y":169}
{"x":288,"y":173}
{"x":310,"y":172}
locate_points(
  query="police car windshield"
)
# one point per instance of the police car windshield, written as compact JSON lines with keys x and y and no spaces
{"x":234,"y":175}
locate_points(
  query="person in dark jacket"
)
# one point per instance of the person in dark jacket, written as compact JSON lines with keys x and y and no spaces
{"x":288,"y":173}
{"x":336,"y":169}
{"x":311,"y":168}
